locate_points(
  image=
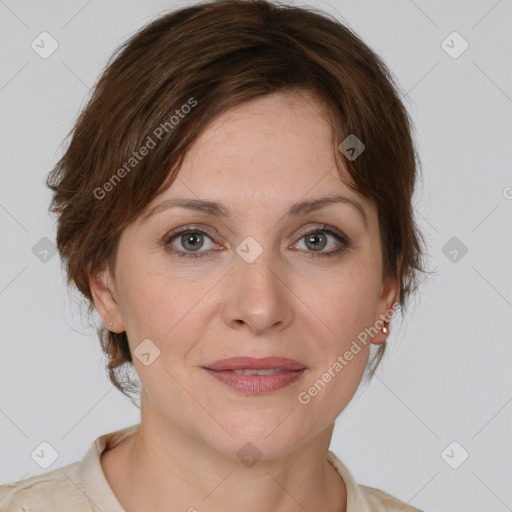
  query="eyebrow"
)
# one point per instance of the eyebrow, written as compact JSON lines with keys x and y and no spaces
{"x":218,"y":210}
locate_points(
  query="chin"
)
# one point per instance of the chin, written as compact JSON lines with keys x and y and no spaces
{"x":267,"y":435}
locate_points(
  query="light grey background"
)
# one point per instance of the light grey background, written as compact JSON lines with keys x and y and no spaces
{"x":446,"y":376}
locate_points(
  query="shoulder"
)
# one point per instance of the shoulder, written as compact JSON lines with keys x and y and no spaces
{"x":363,"y":497}
{"x":381,"y":501}
{"x":56,"y":490}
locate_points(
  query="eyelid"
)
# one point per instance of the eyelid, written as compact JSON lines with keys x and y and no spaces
{"x":344,"y":243}
{"x":205,"y":229}
{"x":323,"y":227}
{"x":189,"y":227}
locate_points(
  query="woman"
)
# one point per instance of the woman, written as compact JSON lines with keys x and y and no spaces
{"x":235,"y":203}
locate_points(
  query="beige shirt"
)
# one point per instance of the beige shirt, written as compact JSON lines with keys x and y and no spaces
{"x":82,"y":487}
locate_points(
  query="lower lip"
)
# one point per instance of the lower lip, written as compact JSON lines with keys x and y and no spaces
{"x":257,"y":384}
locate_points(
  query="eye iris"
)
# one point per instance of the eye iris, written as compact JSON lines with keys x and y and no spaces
{"x":189,"y":238}
{"x":312,"y":238}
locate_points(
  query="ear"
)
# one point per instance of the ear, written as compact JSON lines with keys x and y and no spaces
{"x":386,"y":308}
{"x":105,"y":299}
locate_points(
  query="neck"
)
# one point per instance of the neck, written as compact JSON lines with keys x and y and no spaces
{"x":198,"y":477}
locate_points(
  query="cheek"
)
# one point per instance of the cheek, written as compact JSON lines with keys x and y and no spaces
{"x":346,"y":308}
{"x":163,"y":308}
{"x":326,"y":394}
{"x":347,"y":305}
{"x":346,"y":301}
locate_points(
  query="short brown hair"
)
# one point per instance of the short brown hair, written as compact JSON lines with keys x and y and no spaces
{"x":213,"y":56}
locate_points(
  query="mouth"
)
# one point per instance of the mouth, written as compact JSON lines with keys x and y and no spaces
{"x":252,"y":376}
{"x":252,"y":363}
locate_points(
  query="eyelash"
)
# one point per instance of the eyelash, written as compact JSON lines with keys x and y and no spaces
{"x":345,"y":243}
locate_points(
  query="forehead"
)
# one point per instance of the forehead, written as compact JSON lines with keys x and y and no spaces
{"x":273,"y":148}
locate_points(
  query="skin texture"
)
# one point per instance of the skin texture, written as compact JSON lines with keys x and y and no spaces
{"x":257,"y":159}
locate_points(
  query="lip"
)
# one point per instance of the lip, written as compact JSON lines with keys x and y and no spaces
{"x":290,"y":372}
{"x":264,"y":363}
{"x":256,"y":384}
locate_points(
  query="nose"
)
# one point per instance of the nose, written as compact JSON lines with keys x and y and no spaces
{"x":257,"y":298}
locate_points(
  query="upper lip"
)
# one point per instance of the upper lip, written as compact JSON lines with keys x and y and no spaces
{"x":264,"y":363}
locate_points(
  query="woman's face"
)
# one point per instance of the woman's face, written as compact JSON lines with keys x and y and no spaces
{"x":254,"y":282}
